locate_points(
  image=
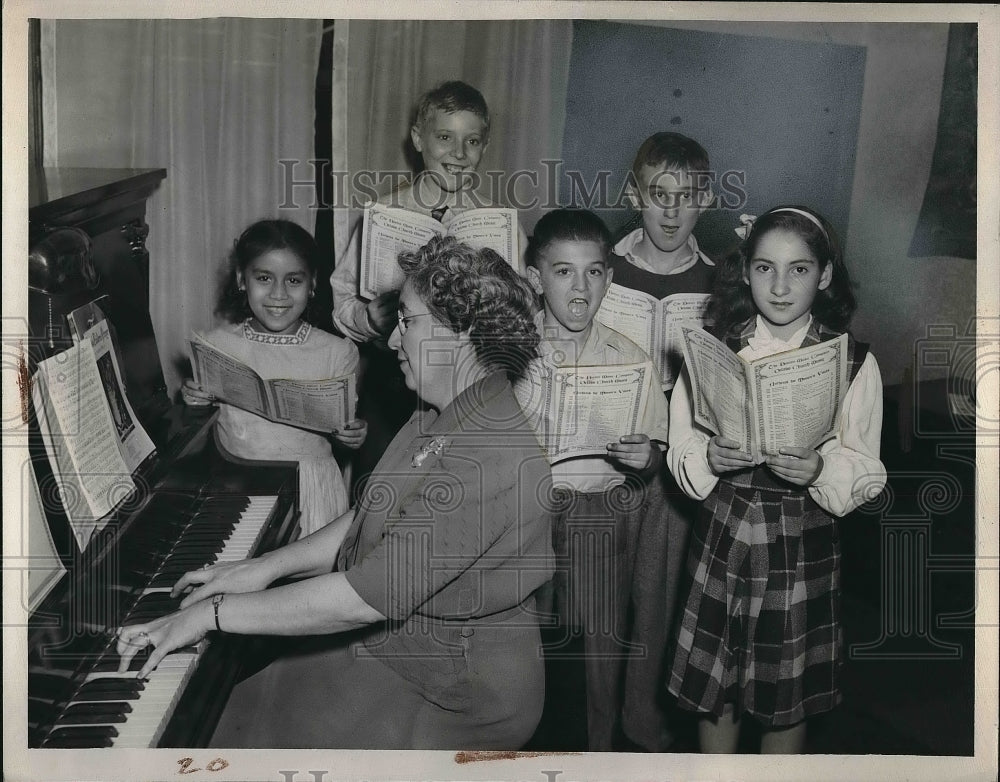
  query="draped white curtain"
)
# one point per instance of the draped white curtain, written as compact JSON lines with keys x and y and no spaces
{"x":382,"y":67}
{"x":218,"y":103}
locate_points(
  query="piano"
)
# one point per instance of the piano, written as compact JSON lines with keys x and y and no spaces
{"x":191,"y":507}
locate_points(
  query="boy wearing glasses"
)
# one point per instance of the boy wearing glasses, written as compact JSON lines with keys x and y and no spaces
{"x":670,"y":190}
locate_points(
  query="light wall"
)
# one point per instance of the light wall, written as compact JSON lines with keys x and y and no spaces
{"x":899,"y":297}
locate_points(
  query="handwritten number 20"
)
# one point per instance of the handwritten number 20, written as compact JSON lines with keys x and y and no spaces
{"x":214,"y":765}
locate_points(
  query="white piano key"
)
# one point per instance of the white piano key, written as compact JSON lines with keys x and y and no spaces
{"x":152,"y":710}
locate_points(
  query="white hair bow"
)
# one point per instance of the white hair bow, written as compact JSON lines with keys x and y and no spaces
{"x":745,"y":226}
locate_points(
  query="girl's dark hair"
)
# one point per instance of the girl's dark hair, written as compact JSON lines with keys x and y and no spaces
{"x":263,"y":237}
{"x":567,"y":225}
{"x":478,"y":292}
{"x":731,"y":305}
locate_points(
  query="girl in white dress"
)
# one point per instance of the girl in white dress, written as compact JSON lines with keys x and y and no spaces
{"x":271,"y":280}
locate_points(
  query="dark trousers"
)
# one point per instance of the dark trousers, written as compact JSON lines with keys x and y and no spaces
{"x":619,"y":556}
{"x":594,"y":537}
{"x":660,"y":555}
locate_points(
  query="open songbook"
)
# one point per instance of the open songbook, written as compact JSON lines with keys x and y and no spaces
{"x":388,"y":231}
{"x":792,"y":398}
{"x":320,"y":405}
{"x":654,"y":324}
{"x":91,"y":434}
{"x":577,"y":411}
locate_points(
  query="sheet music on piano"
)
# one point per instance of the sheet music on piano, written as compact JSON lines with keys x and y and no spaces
{"x":133,"y":441}
{"x":92,"y":437}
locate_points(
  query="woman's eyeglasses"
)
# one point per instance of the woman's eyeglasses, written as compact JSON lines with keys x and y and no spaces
{"x":404,"y":320}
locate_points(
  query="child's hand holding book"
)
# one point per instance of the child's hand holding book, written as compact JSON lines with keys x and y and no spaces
{"x":800,"y":466}
{"x":194,"y":396}
{"x":637,"y":452}
{"x":352,"y":434}
{"x":724,"y":455}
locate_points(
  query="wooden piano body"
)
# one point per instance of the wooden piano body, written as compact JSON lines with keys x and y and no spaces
{"x":189,"y":506}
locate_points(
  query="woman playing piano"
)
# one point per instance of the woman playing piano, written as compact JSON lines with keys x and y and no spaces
{"x":424,"y":636}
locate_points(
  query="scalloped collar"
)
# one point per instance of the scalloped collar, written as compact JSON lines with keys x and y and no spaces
{"x":298,"y":338}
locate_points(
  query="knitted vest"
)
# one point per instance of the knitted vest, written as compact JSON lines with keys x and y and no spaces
{"x":697,"y":279}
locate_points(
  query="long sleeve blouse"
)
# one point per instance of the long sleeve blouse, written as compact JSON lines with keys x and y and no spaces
{"x":852,"y":471}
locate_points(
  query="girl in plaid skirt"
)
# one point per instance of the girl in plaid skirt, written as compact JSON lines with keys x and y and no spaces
{"x":760,"y":631}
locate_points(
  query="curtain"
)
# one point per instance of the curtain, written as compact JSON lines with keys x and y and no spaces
{"x":35,"y":133}
{"x":219,"y":103}
{"x":947,"y":222}
{"x":381,"y":68}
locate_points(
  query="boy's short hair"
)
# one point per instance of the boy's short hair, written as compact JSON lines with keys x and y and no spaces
{"x":568,"y":225}
{"x":670,"y":151}
{"x":449,"y":97}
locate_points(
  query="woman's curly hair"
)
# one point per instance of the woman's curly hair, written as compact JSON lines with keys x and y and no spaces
{"x":478,"y":292}
{"x":731,"y":304}
{"x":260,"y":238}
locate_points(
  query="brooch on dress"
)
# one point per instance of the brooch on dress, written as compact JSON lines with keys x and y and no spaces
{"x":435,"y":446}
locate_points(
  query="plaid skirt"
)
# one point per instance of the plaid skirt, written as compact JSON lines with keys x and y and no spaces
{"x":761,"y":624}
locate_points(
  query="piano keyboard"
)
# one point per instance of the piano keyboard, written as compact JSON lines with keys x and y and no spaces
{"x":110,"y":709}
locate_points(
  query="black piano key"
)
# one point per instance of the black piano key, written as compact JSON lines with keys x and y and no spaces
{"x":95,"y":713}
{"x":190,"y":555}
{"x":223,"y":512}
{"x":207,"y":552}
{"x":164,"y":580}
{"x":179,"y":567}
{"x":83,"y":708}
{"x":212,"y":530}
{"x":110,"y":690}
{"x":110,"y":662}
{"x":207,"y":533}
{"x":82,"y":736}
{"x":155,"y":599}
{"x":147,"y":615}
{"x":203,"y":531}
{"x":221,"y":506}
{"x":148,"y":608}
{"x":203,"y":550}
{"x":219,"y":513}
{"x":170,"y":576}
{"x":213,"y":543}
{"x":215,"y":527}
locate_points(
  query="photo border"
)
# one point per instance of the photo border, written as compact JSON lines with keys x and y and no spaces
{"x":338,"y":765}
